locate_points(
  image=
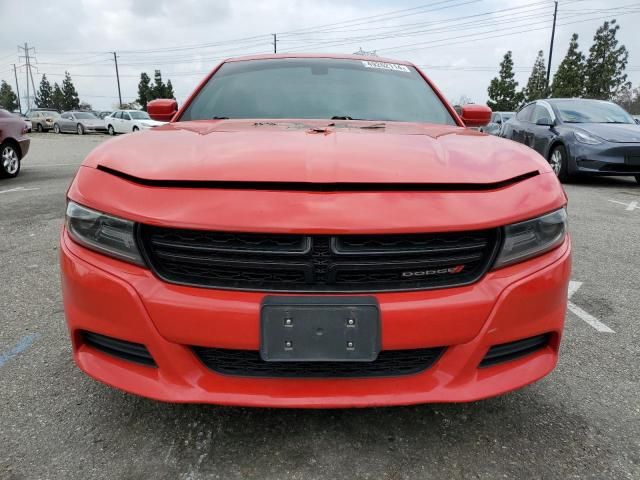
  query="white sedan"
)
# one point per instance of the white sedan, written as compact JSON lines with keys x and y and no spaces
{"x":125,"y":121}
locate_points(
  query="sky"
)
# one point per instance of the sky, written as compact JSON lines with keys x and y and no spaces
{"x":458,"y":43}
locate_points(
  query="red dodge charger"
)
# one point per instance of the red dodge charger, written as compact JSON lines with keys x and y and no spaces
{"x":315,"y":231}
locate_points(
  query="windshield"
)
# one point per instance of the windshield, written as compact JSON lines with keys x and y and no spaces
{"x":47,"y":113}
{"x":139,"y":115}
{"x":84,"y":115}
{"x":318,"y":88}
{"x":591,"y":111}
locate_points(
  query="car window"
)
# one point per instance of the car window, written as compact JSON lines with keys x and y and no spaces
{"x":591,"y":111}
{"x":494,"y":118}
{"x":540,"y":112}
{"x":139,"y":115}
{"x":524,"y":115}
{"x":318,"y":88}
{"x":117,"y":115}
{"x":126,"y":116}
{"x":84,"y":115}
{"x":66,"y":116}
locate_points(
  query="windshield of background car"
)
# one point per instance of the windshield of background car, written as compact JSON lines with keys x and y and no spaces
{"x":85,"y":116}
{"x":506,"y":116}
{"x":318,"y":89}
{"x":46,"y":113}
{"x":580,"y":111}
{"x":139,"y":115}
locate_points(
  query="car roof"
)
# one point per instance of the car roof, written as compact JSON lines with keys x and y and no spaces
{"x":340,"y":56}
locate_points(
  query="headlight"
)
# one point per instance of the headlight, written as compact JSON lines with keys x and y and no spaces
{"x":533,"y":237}
{"x":586,"y":137}
{"x":103,"y":233}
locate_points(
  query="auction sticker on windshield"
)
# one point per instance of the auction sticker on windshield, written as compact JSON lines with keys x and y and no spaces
{"x":386,"y":66}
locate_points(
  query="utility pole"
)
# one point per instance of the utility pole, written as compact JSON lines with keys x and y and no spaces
{"x":553,"y":34}
{"x":15,"y":74}
{"x":275,"y":41}
{"x":28,"y":72}
{"x":115,"y":59}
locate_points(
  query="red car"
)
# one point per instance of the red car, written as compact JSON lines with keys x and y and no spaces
{"x":315,"y":231}
{"x":14,"y":143}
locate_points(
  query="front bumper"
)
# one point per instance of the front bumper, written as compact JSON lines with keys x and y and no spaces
{"x":112,"y":298}
{"x":607,"y":158}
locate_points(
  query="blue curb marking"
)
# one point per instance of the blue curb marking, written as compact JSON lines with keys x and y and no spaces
{"x":24,"y":343}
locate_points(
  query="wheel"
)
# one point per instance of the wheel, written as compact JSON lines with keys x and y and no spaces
{"x":39,"y":128}
{"x":10,"y":161}
{"x":111,"y":130}
{"x":638,"y":178}
{"x":558,"y":161}
{"x":135,"y":129}
{"x":80,"y":129}
{"x":56,"y":128}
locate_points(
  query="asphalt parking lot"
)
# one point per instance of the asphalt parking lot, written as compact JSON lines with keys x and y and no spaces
{"x":582,"y":421}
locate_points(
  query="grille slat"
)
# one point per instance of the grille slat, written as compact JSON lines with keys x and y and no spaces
{"x":317,"y":263}
{"x":247,"y":363}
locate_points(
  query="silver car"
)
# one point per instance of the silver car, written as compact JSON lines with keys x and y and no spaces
{"x":78,"y":122}
{"x":498,"y":119}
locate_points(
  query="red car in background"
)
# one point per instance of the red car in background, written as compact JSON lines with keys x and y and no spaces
{"x":315,"y":231}
{"x":14,"y":143}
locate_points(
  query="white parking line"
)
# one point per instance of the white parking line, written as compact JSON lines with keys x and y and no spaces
{"x":19,"y":189}
{"x":586,"y":316}
{"x":631,"y":206}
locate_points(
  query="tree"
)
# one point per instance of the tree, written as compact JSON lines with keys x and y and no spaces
{"x":569,"y":78}
{"x":144,"y":90}
{"x":159,"y":89}
{"x":57,"y":98}
{"x":629,"y":99}
{"x":8,"y":99}
{"x":43,"y":97}
{"x":169,"y":91}
{"x":502,"y":90}
{"x":605,"y":66}
{"x":537,"y":85}
{"x":71,"y":100}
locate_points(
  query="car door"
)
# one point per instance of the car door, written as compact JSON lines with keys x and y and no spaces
{"x":126,"y":122}
{"x":63,"y":122}
{"x":542,"y":129}
{"x":115,"y":120}
{"x":71,"y":122}
{"x":519,"y":127}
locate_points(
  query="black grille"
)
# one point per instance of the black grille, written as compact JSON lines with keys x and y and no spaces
{"x":512,"y":350}
{"x":318,"y":263}
{"x":134,"y":352}
{"x":247,"y":363}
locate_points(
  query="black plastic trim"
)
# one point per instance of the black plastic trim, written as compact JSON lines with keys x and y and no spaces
{"x":318,"y":187}
{"x":510,"y":351}
{"x":133,"y":352}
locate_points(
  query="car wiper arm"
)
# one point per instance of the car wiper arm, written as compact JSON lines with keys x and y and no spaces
{"x":342,"y":117}
{"x":219,"y":118}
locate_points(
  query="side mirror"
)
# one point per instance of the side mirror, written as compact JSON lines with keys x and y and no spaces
{"x":475,"y":115}
{"x":162,"y":109}
{"x":544,"y":122}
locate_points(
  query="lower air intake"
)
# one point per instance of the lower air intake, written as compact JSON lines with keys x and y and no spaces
{"x":247,"y":363}
{"x":512,"y":350}
{"x":133,"y":352}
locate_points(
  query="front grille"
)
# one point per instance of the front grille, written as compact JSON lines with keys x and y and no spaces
{"x":247,"y":363}
{"x":317,"y":263}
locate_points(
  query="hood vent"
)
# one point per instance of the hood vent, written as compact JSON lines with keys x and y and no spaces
{"x":318,"y":187}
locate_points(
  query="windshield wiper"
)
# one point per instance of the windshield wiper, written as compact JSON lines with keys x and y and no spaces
{"x":375,"y":125}
{"x":219,"y":118}
{"x":626,"y":123}
{"x":340,"y":117}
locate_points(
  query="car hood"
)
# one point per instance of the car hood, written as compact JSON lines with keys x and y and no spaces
{"x":613,"y":132}
{"x":316,"y":152}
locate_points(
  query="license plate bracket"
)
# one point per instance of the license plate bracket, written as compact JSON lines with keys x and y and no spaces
{"x":319,"y":329}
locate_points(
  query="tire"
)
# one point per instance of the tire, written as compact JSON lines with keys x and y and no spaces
{"x":80,"y":129}
{"x":56,"y":128}
{"x":110,"y":130}
{"x":638,"y":178}
{"x":39,"y":128}
{"x":559,"y":159}
{"x":9,"y":161}
{"x":135,"y":129}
